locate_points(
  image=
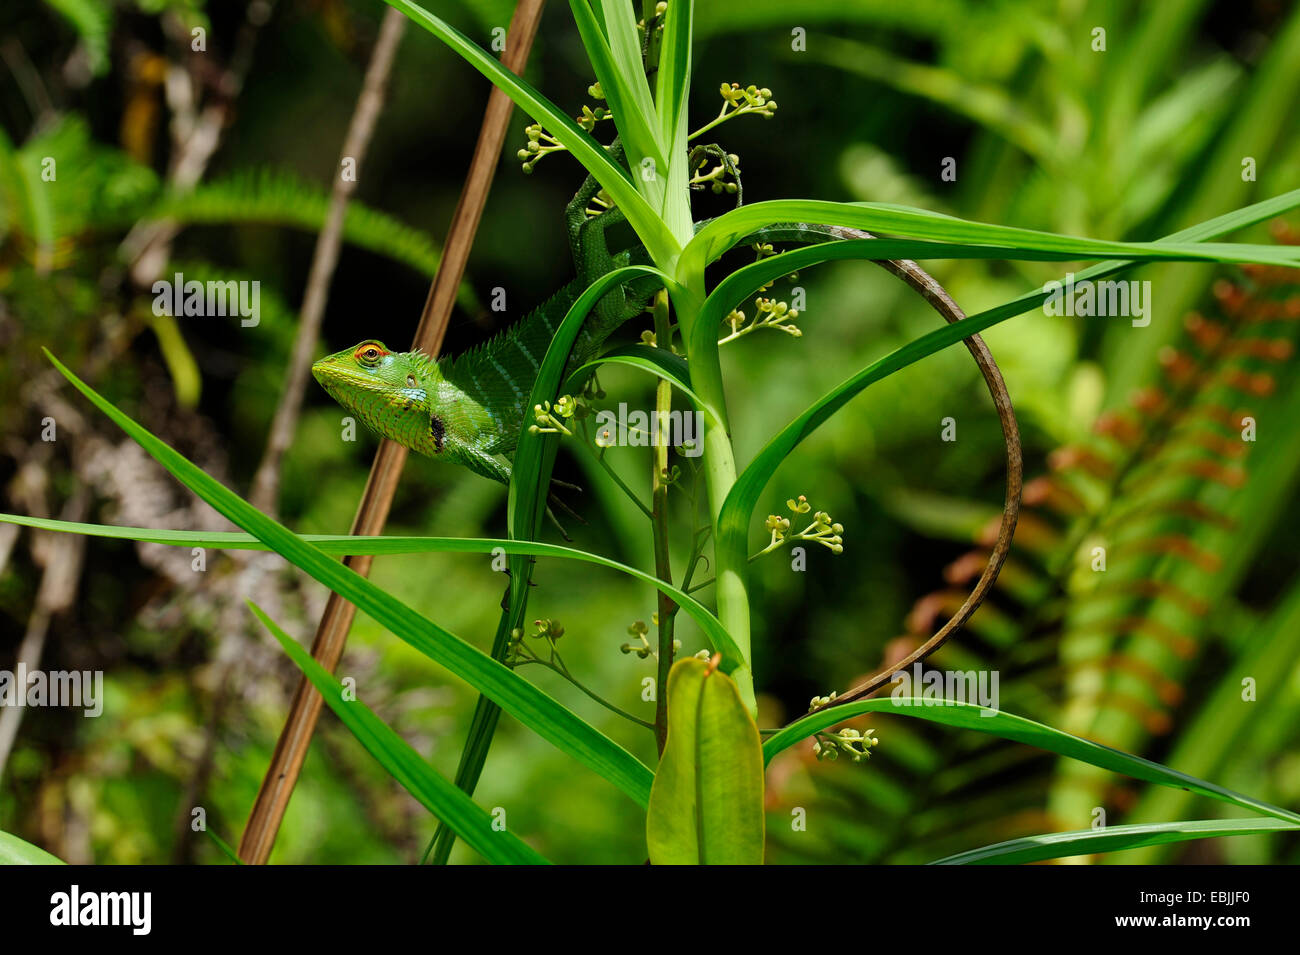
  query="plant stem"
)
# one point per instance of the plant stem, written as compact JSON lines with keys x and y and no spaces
{"x":599,"y":455}
{"x":563,"y":671}
{"x":659,"y":523}
{"x":720,"y":476}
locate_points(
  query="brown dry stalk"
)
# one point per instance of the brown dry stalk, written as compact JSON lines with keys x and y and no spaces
{"x":941,"y":302}
{"x":331,"y":633}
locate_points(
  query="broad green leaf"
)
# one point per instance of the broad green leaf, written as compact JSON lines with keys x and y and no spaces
{"x":470,"y":821}
{"x":658,"y":240}
{"x":14,"y":851}
{"x":1061,"y":845}
{"x":1009,"y":726}
{"x":345,"y":544}
{"x":706,"y":807}
{"x":517,"y":696}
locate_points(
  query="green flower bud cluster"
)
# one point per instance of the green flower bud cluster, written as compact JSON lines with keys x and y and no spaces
{"x":540,"y":144}
{"x":817,"y":702}
{"x":823,"y":530}
{"x":550,"y":418}
{"x":769,"y":314}
{"x":751,"y":99}
{"x":590,"y":117}
{"x":826,"y":532}
{"x":856,"y":746}
{"x":642,"y":647}
{"x":740,"y":101}
{"x":548,"y":630}
{"x":660,"y":9}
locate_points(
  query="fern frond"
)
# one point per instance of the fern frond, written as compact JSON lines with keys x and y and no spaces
{"x":93,"y":21}
{"x":276,"y":197}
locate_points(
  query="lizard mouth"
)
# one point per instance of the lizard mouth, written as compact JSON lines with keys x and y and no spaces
{"x":331,"y":376}
{"x":333,"y":380}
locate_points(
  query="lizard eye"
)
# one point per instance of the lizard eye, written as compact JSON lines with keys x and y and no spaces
{"x":369,"y":353}
{"x":410,"y":381}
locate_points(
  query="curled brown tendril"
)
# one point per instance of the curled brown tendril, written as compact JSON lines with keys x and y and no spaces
{"x":941,"y":302}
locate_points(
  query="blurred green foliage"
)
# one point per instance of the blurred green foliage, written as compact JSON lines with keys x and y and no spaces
{"x":1129,"y":143}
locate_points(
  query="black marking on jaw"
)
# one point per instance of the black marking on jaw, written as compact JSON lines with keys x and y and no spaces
{"x":439,"y":431}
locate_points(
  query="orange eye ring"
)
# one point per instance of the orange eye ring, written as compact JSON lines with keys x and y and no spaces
{"x":369,"y":353}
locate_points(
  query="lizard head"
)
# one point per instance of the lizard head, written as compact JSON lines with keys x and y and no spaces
{"x":389,"y":391}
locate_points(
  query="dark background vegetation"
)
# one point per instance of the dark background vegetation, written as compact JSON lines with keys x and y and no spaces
{"x":1130,"y":143}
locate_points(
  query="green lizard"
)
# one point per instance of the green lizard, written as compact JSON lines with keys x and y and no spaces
{"x":470,"y":409}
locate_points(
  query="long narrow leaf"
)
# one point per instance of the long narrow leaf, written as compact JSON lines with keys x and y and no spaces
{"x":346,"y":544}
{"x":725,"y":231}
{"x":517,"y":696}
{"x":1061,"y":845}
{"x":469,"y":820}
{"x":1009,"y":726}
{"x":660,"y":243}
{"x":673,"y":80}
{"x":658,"y":361}
{"x":734,"y":517}
{"x":625,"y":90}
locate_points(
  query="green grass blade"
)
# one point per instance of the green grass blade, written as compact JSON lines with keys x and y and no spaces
{"x":469,"y":820}
{"x":225,"y":848}
{"x":1017,"y":728}
{"x":14,"y":851}
{"x":725,"y":231}
{"x":658,"y":240}
{"x":1062,"y":845}
{"x":701,"y":331}
{"x":517,"y":696}
{"x":348,"y":545}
